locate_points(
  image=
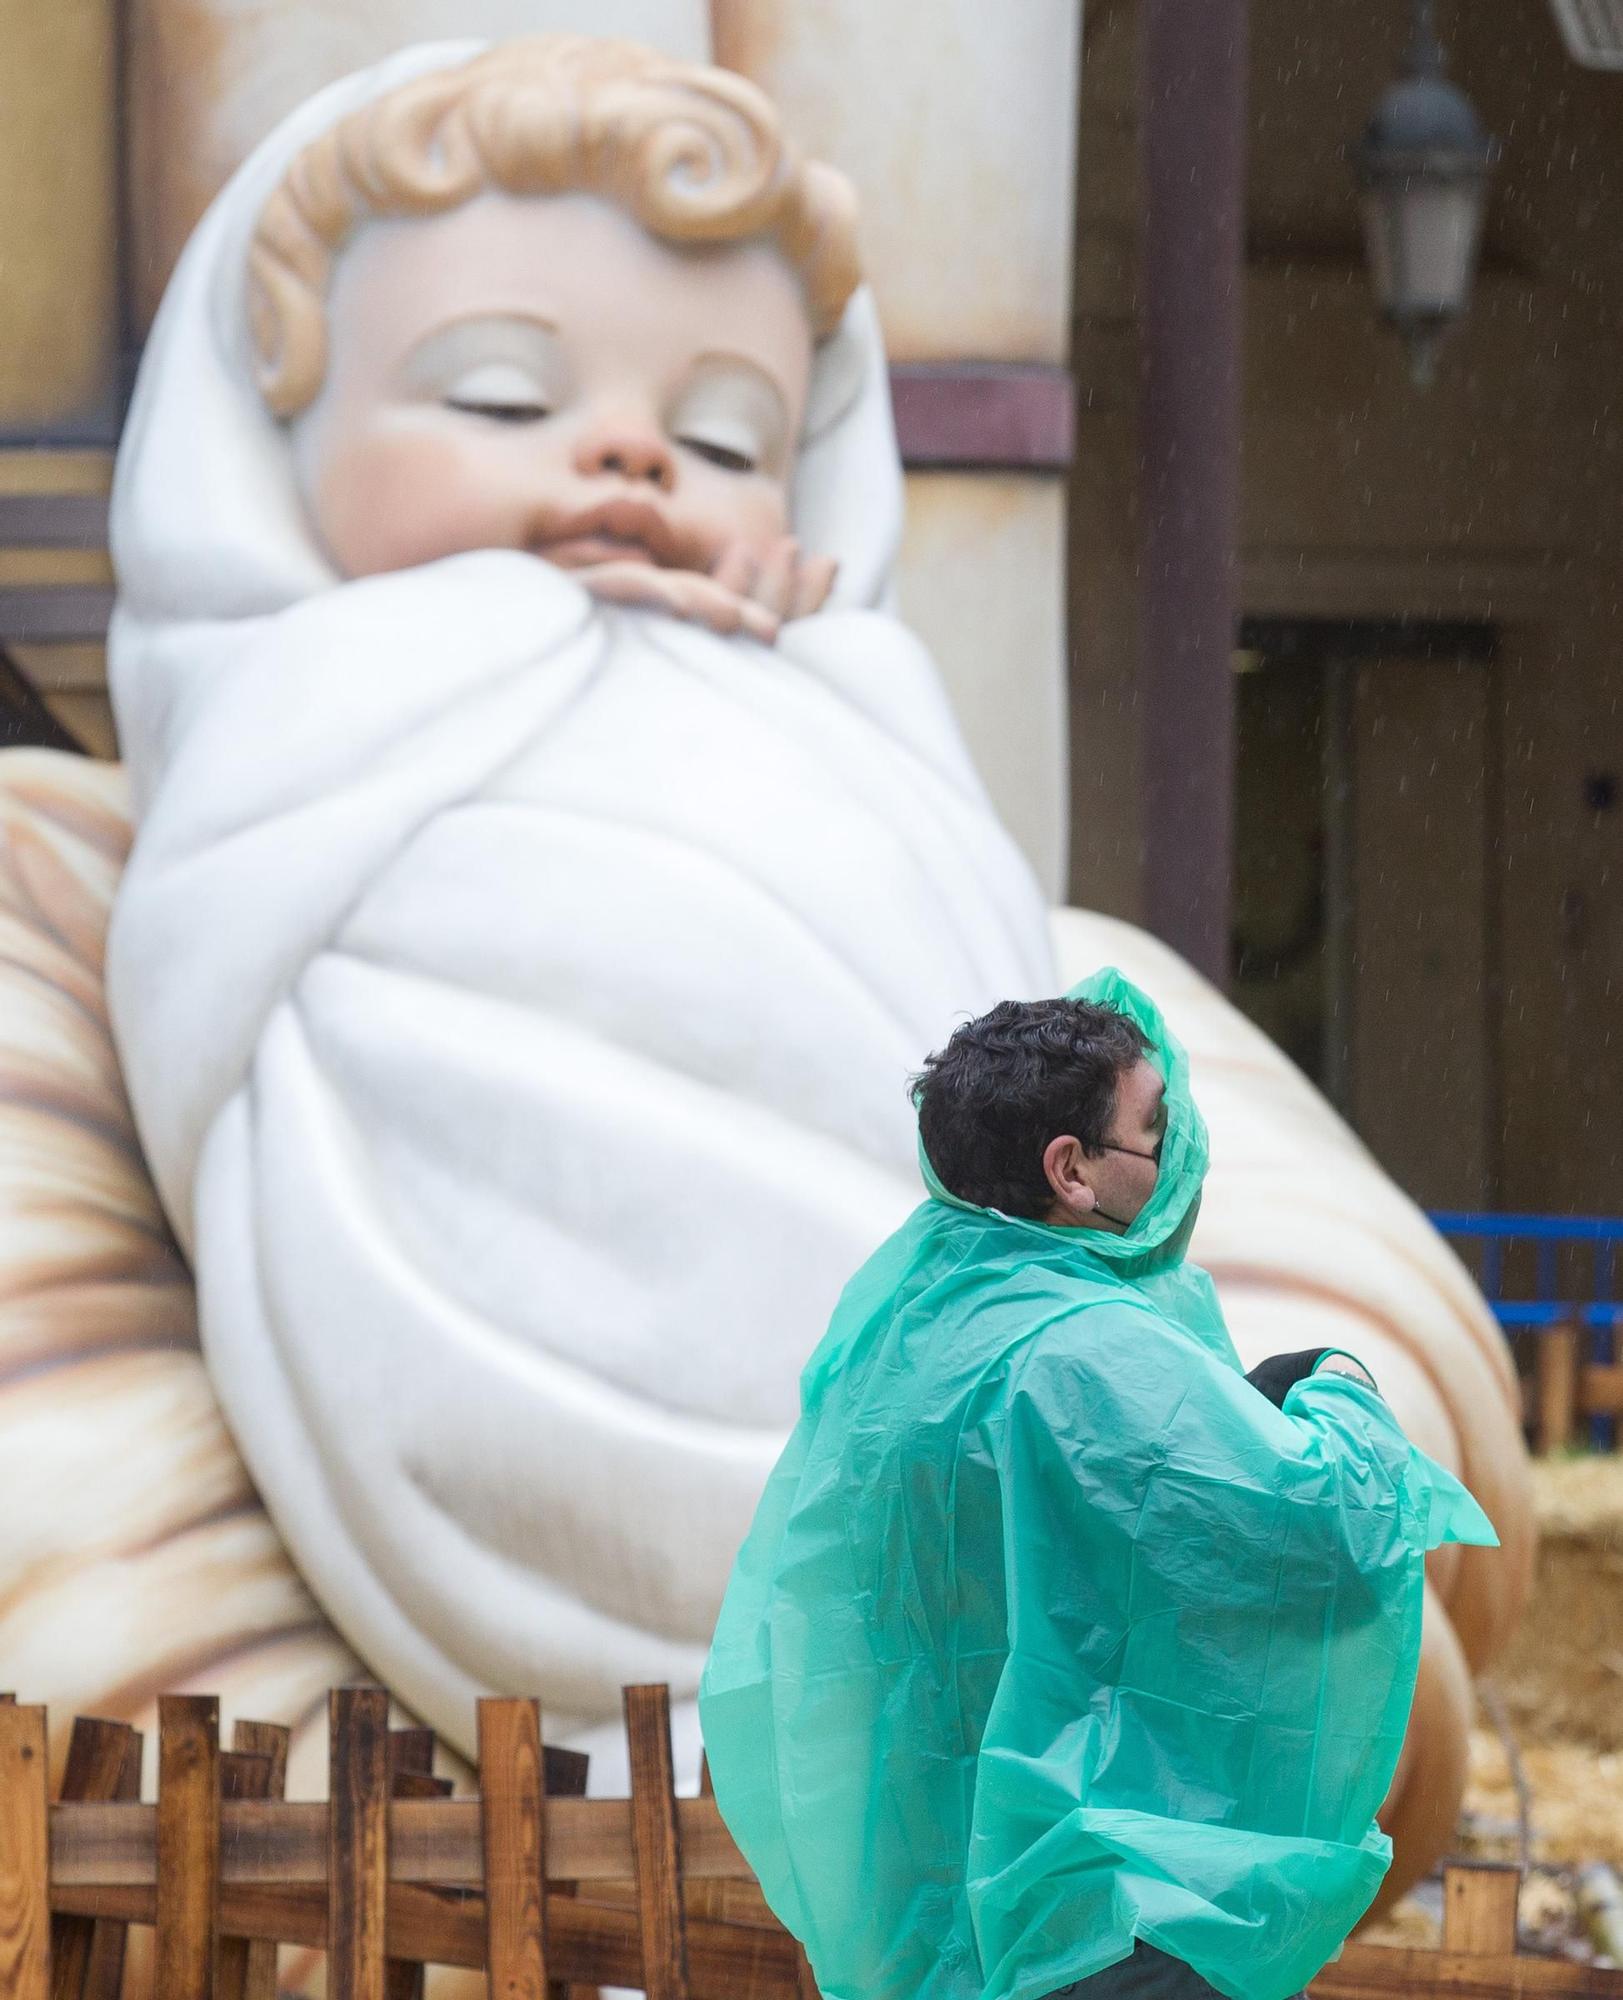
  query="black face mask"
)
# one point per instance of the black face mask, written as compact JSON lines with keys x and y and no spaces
{"x":1107,"y":1146}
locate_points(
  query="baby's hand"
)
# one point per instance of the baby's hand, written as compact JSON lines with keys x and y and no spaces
{"x":779,"y":579}
{"x":747,"y":590}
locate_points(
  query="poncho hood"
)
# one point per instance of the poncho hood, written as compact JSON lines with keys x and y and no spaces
{"x":1052,"y":1633}
{"x":1161,"y":1230}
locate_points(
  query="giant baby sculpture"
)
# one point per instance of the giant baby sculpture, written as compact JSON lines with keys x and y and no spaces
{"x":552,"y":858}
{"x":521,"y":957}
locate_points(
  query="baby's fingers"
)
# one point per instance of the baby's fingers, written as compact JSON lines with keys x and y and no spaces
{"x":707,"y":601}
{"x":778,"y":578}
{"x":735,"y":569}
{"x":814,"y":579}
{"x":702,"y":600}
{"x":626,"y":583}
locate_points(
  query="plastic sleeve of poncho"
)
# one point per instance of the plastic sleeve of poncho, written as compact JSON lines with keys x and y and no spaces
{"x":1214,"y":1630}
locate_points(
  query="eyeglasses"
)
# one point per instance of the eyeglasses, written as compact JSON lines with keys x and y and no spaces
{"x":1109,"y":1146}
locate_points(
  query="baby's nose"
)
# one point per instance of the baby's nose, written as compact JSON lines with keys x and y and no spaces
{"x":627,"y":450}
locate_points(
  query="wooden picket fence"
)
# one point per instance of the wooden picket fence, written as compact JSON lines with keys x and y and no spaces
{"x":538,"y":1886}
{"x":391,"y":1876}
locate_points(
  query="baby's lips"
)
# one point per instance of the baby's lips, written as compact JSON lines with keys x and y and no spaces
{"x":587,"y":551}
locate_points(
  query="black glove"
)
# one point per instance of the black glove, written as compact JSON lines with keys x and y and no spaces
{"x":1281,"y":1371}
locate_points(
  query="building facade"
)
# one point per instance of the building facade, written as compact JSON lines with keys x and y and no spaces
{"x":1428,"y":809}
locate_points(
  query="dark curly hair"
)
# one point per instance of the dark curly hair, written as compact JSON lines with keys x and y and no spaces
{"x":1027,"y":1072}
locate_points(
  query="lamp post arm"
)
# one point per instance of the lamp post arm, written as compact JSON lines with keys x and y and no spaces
{"x":1425,"y":50}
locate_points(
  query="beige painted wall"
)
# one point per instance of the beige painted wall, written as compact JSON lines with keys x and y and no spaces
{"x":58,"y":253}
{"x":961,"y":138}
{"x":980,"y":584}
{"x":209,"y":78}
{"x":958,"y":124}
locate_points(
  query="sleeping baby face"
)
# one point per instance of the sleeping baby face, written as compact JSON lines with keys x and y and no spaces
{"x":545,"y":375}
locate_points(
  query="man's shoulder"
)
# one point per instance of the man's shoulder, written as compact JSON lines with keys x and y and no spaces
{"x":970,"y":1289}
{"x":982,"y":1262}
{"x":1101,"y":1328}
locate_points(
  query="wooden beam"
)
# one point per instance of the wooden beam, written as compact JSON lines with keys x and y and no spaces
{"x":592,"y":1944}
{"x":588,"y":1943}
{"x":1600,"y":1389}
{"x":25,"y":1913}
{"x":270,"y":1741}
{"x":244,"y":1774}
{"x":513,"y":1821}
{"x":564,"y":1771}
{"x":53,"y":520}
{"x":1192,"y":94}
{"x":564,"y":1774}
{"x":34,"y":614}
{"x":430,"y":1840}
{"x":984,"y":416}
{"x":1555,"y":1375}
{"x":358,"y":1844}
{"x":99,"y":1767}
{"x":1372,"y":585}
{"x":412,"y":1751}
{"x":656,"y":1842}
{"x":1479,"y":1910}
{"x":104,"y":1974}
{"x":1387,"y":1972}
{"x":186,"y":1846}
{"x":405,"y":1979}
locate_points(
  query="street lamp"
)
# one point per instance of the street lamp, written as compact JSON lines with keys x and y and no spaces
{"x":1423,"y":167}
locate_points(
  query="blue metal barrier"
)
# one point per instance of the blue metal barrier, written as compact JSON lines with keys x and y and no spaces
{"x":1573,"y":1274}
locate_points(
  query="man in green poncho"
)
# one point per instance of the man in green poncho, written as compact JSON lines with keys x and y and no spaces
{"x":1059,"y":1651}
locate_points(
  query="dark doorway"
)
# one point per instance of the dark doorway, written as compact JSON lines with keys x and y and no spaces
{"x":1364,"y":938}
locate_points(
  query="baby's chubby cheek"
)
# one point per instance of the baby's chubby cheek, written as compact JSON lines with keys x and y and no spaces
{"x":386,"y":501}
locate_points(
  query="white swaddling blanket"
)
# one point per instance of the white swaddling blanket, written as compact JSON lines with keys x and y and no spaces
{"x":517,"y":997}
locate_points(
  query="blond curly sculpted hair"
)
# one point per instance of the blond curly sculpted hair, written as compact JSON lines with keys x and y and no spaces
{"x":695,"y":154}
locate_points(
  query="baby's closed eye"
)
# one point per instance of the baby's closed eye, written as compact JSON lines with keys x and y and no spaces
{"x":731,"y":416}
{"x":728,"y":457}
{"x":504,"y":367}
{"x":501,"y":390}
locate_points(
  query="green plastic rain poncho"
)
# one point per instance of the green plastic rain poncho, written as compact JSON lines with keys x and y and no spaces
{"x":1052,"y":1632}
